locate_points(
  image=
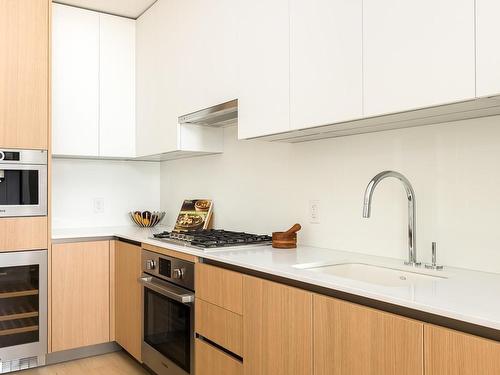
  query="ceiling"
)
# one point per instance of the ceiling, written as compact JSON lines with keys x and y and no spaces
{"x":125,"y":8}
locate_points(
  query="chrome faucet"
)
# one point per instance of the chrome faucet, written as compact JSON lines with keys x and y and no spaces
{"x":410,"y":194}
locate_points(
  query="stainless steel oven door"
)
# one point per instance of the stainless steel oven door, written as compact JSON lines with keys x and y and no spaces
{"x":167,"y":327}
{"x":23,"y":305}
{"x":23,"y":189}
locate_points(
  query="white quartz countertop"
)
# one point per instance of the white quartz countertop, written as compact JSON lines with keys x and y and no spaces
{"x":465,"y":295}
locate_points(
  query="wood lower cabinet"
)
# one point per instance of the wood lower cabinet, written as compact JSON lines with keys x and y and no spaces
{"x":219,"y":325}
{"x":80,"y":294}
{"x":282,"y":330}
{"x":352,"y":339}
{"x":219,"y":286}
{"x":128,"y":297}
{"x":23,"y":233}
{"x":277,"y":329}
{"x":449,"y":352}
{"x":212,"y":361}
{"x":24,"y":73}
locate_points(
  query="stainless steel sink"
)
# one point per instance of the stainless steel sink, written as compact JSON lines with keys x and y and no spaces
{"x":380,"y":275}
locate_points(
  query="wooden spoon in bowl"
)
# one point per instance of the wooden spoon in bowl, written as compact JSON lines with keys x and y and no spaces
{"x":288,"y":239}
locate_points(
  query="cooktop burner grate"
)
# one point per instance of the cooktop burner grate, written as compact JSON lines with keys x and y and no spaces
{"x":215,"y":238}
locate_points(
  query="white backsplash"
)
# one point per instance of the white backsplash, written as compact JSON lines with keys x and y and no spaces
{"x":122,"y":186}
{"x":263,"y":187}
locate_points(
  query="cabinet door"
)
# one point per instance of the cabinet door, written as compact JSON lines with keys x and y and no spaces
{"x":325,"y":62}
{"x":24,"y":73}
{"x":208,"y":75}
{"x":277,"y":329}
{"x":263,"y":67}
{"x":487,"y":48}
{"x":351,"y":339}
{"x":158,"y":61}
{"x":449,"y":352}
{"x":128,"y":298}
{"x":23,"y":233}
{"x":80,"y":294}
{"x":212,"y":361}
{"x":417,"y":53}
{"x":219,"y":286}
{"x":75,"y":81}
{"x":117,"y":87}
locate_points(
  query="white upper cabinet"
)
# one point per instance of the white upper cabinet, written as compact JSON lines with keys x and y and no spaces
{"x":117,"y":87}
{"x":488,"y":47}
{"x":263,"y":67}
{"x":75,"y":81}
{"x":207,"y":73}
{"x":93,"y":84}
{"x":417,"y":53}
{"x":158,"y":61}
{"x":325,"y":62}
{"x":185,"y":62}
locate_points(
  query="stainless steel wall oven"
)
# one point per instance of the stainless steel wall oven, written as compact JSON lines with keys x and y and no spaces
{"x":23,"y":183}
{"x":168,"y":314}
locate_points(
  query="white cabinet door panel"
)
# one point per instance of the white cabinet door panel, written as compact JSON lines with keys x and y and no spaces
{"x":75,"y":81}
{"x":263,"y":67}
{"x":208,"y":50}
{"x":325,"y":62}
{"x":488,"y":47}
{"x":158,"y":62}
{"x":417,"y":53}
{"x":117,"y":87}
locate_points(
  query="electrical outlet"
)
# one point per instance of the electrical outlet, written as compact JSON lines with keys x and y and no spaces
{"x":314,"y":212}
{"x":98,"y":205}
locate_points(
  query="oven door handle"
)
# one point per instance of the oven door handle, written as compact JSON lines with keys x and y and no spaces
{"x":166,"y":291}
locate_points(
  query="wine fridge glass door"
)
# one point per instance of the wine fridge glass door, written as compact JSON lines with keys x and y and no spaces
{"x":23,"y":304}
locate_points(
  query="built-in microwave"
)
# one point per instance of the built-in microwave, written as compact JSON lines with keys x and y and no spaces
{"x":23,"y":183}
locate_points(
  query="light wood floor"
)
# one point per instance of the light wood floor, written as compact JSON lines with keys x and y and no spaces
{"x":117,"y":363}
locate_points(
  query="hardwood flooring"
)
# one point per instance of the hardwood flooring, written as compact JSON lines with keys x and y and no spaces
{"x":118,"y":363}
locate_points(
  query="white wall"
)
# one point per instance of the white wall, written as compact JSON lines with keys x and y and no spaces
{"x":264,"y":187}
{"x":123,"y":186}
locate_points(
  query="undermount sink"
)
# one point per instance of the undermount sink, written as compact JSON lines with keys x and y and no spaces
{"x":367,"y":273}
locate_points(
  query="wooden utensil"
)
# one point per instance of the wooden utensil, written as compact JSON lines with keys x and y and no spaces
{"x":286,"y":240}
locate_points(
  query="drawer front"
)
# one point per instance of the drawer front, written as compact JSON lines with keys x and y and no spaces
{"x":220,"y":287}
{"x":221,"y":326}
{"x":23,"y":233}
{"x":212,"y":361}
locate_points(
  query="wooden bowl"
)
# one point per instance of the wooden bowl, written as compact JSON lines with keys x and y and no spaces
{"x":282,"y":240}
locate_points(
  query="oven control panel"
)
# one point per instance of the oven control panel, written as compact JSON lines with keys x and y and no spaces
{"x":9,"y":155}
{"x":165,"y":267}
{"x":175,"y":270}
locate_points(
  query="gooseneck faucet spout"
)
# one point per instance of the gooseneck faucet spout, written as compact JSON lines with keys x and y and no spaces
{"x":410,"y":194}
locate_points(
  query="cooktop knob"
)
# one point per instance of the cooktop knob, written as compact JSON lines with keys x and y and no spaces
{"x":178,"y":273}
{"x":150,"y":264}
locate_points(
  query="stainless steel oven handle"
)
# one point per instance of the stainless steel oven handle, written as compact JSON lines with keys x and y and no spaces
{"x":166,"y":291}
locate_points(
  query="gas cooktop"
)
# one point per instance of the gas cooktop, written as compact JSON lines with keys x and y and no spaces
{"x":214,"y":239}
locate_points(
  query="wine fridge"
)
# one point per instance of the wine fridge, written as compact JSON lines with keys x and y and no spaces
{"x":23,"y":310}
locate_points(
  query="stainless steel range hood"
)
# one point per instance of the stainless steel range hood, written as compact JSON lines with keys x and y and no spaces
{"x":220,"y":115}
